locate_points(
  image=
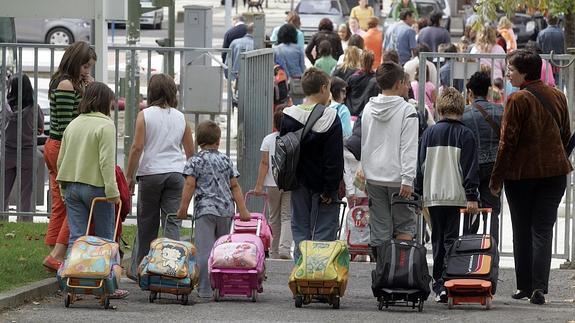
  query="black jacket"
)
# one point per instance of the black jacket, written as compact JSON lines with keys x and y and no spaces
{"x":361,"y":86}
{"x":232,"y":34}
{"x":332,"y":37}
{"x":353,"y":143}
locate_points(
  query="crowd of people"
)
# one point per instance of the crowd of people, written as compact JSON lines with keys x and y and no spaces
{"x":370,"y":139}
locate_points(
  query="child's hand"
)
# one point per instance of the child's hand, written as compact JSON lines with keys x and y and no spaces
{"x":472,"y":207}
{"x":259,"y":190}
{"x":245,"y":216}
{"x":182,"y":214}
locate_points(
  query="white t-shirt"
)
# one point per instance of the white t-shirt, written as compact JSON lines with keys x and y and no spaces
{"x":269,"y":145}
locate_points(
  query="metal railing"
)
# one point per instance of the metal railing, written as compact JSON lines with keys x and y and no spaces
{"x":463,"y":65}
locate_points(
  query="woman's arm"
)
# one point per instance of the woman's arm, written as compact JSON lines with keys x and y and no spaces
{"x":136,"y":150}
{"x":188,"y":141}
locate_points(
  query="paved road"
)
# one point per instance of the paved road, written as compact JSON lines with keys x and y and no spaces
{"x":276,"y":304}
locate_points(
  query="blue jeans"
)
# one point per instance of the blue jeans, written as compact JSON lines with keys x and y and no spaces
{"x":78,"y":197}
{"x":309,"y":214}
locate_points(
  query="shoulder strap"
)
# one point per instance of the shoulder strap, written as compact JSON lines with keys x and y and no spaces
{"x":545,"y":105}
{"x":314,"y":116}
{"x":488,"y":118}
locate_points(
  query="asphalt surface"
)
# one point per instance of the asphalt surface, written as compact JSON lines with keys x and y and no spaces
{"x":276,"y":304}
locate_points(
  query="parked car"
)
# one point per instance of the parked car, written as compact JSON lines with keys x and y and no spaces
{"x":52,"y":31}
{"x":424,"y":9}
{"x":312,"y":11}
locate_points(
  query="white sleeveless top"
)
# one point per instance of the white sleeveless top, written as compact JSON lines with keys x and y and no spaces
{"x":162,"y":149}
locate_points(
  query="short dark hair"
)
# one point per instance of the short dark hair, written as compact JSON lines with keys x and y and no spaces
{"x":208,"y":133}
{"x":162,"y":91}
{"x":387,"y":74}
{"x":405,"y":13}
{"x":421,"y":48}
{"x":526,"y":62}
{"x":357,"y":41}
{"x":324,"y":48}
{"x":552,"y":20}
{"x":435,"y":17}
{"x":479,"y":83}
{"x":325,"y":24}
{"x":278,"y":115}
{"x":97,"y":98}
{"x":390,"y":56}
{"x":337,"y":85}
{"x":447,"y":48}
{"x":313,"y":79}
{"x":287,"y":34}
{"x":372,"y":22}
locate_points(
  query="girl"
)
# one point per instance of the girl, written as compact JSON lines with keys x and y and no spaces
{"x":65,"y":92}
{"x":430,"y":92}
{"x":86,"y":166}
{"x":344,"y":34}
{"x":325,"y":61}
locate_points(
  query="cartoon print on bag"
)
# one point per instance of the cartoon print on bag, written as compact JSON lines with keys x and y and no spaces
{"x":171,"y":257}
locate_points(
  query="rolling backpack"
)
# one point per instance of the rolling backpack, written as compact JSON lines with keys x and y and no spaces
{"x":286,"y":157}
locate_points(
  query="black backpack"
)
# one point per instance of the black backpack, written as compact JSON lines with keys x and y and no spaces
{"x":286,"y":157}
{"x":401,"y":264}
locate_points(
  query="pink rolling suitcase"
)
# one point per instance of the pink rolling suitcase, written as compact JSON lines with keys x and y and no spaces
{"x":252,"y":226}
{"x":236,"y":265}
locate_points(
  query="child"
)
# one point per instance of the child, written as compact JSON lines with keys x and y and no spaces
{"x":338,"y":89}
{"x":213,"y":178}
{"x":325,"y":62}
{"x":280,"y":201}
{"x":447,"y":177}
{"x":430,"y":92}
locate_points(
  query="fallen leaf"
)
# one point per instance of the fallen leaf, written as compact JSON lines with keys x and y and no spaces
{"x":36,"y":303}
{"x":10,"y":235}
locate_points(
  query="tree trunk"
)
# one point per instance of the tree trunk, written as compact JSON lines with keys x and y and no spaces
{"x":570,"y":28}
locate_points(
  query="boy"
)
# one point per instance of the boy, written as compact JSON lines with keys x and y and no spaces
{"x":389,"y":156}
{"x":320,"y":167}
{"x":212,"y":176}
{"x":447,"y":177}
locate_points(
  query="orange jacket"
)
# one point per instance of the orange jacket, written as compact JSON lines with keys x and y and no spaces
{"x":373,"y":41}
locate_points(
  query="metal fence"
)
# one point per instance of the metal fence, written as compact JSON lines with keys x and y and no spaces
{"x":255,"y":102}
{"x":203,"y":93}
{"x":464,"y":65}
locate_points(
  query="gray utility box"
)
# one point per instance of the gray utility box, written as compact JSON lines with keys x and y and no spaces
{"x":203,"y":82}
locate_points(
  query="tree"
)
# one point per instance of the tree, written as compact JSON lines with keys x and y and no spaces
{"x":486,"y":11}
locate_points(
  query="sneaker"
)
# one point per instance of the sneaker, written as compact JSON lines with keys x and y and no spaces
{"x":520,"y":294}
{"x":441,"y":297}
{"x":119,"y":294}
{"x":537,"y":298}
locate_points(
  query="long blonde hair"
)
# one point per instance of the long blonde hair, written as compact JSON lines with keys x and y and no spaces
{"x":351,"y":58}
{"x":504,"y":23}
{"x":486,"y":38}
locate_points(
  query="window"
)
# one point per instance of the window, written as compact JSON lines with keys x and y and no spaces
{"x":329,"y":7}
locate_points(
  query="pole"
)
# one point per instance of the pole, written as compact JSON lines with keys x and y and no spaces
{"x":228,"y":22}
{"x":171,"y":36}
{"x":101,"y":40}
{"x":132,"y":75}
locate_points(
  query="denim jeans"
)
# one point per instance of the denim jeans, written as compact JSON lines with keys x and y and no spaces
{"x":311,"y":218}
{"x":78,"y":197}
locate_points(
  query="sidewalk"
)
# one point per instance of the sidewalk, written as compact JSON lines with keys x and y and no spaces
{"x":276,"y":304}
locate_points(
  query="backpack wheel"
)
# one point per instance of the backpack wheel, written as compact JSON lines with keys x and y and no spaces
{"x":68,"y":300}
{"x":184,"y":300}
{"x":217,"y":295}
{"x":298,"y":301}
{"x":380,"y":306}
{"x":106,"y":302}
{"x":152,"y":297}
{"x":450,"y":302}
{"x":335,"y":303}
{"x":254,"y":295}
{"x":488,"y":303}
{"x":420,"y":306}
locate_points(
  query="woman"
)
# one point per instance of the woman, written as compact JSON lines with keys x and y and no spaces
{"x":532,"y":163}
{"x":374,"y":41}
{"x":66,"y":89}
{"x":354,"y":27}
{"x":325,"y":32}
{"x":294,"y":19}
{"x":29,"y":126}
{"x":86,"y":167}
{"x":290,"y":57}
{"x":486,"y":44}
{"x":505,"y":28}
{"x":156,"y":154}
{"x":351,"y":63}
{"x":361,"y":85}
{"x":344,"y":34}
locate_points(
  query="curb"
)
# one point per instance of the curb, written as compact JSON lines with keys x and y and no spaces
{"x":25,"y":294}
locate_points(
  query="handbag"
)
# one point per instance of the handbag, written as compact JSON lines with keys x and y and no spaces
{"x":294,"y":82}
{"x":571,"y":144}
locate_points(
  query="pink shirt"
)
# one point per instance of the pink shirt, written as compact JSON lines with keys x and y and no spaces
{"x":547,"y":73}
{"x":429,"y":89}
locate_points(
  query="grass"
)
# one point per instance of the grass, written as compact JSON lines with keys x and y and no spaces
{"x":22,"y":251}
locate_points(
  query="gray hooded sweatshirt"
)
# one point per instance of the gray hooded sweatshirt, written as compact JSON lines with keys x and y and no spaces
{"x":389,"y":141}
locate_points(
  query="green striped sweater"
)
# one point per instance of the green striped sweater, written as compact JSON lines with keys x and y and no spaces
{"x":63,"y":109}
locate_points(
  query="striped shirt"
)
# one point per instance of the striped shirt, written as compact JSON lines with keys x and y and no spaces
{"x":63,"y":109}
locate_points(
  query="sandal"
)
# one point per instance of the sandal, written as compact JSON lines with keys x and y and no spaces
{"x":51,"y":264}
{"x":119,"y":294}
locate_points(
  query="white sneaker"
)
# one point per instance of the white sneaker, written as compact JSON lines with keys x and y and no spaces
{"x":441,"y":297}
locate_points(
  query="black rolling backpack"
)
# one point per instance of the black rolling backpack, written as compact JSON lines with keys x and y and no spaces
{"x":473,"y":256}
